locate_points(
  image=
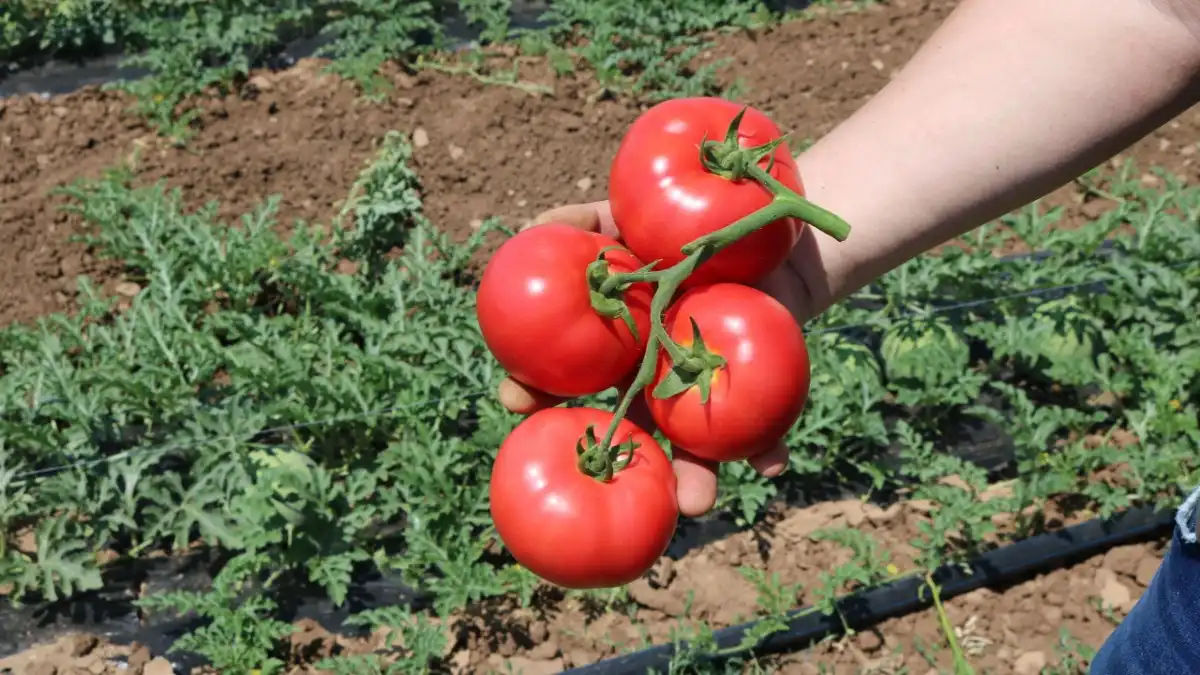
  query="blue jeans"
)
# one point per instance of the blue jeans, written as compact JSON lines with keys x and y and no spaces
{"x":1161,"y":635}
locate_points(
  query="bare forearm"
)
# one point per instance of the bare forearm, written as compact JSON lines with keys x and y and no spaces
{"x":1009,"y":100}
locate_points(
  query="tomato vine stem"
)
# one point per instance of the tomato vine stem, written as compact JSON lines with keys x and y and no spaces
{"x":785,"y":204}
{"x":669,"y":282}
{"x":731,"y":161}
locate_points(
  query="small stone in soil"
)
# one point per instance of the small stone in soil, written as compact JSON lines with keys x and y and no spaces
{"x":1052,"y":615}
{"x":261,"y":83}
{"x":544,"y":651}
{"x":1124,"y":559}
{"x":1112,"y":592}
{"x":1146,"y":570}
{"x":420,"y":137}
{"x":128,"y":289}
{"x":580,"y":657}
{"x":82,"y":645}
{"x":1030,"y":663}
{"x":138,"y":658}
{"x":879,"y":516}
{"x":869,"y":641}
{"x":159,"y":666}
{"x":855,"y":513}
{"x":461,"y":660}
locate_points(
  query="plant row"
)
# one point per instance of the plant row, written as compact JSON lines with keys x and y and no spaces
{"x":192,"y":46}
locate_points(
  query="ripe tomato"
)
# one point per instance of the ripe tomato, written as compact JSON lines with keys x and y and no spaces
{"x":536,"y":314}
{"x":663,"y":197}
{"x":569,"y":528}
{"x":758,"y":394}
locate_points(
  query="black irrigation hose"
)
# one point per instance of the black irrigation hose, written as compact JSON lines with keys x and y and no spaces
{"x":1000,"y":567}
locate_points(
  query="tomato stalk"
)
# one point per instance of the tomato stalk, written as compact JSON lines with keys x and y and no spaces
{"x":669,"y":281}
{"x":731,"y":161}
{"x":695,"y":366}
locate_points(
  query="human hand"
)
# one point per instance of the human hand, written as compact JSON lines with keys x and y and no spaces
{"x":697,"y":478}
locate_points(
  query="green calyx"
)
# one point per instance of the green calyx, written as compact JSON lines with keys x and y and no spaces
{"x":600,"y":461}
{"x":607,"y":290}
{"x":693,"y":366}
{"x":733,"y":162}
{"x":729,"y":160}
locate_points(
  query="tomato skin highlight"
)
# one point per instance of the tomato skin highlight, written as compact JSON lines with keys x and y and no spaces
{"x":569,"y":528}
{"x":535,"y":312}
{"x":756,"y":396}
{"x":663,"y":197}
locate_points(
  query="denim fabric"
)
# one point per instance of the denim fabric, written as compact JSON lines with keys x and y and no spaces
{"x":1161,"y":635}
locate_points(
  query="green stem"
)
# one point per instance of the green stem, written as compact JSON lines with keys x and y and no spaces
{"x":669,"y":282}
{"x":733,"y":162}
{"x":619,"y":280}
{"x":785,"y":204}
{"x":961,"y":665}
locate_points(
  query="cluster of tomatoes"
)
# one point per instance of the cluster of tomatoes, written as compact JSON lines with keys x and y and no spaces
{"x":667,"y":310}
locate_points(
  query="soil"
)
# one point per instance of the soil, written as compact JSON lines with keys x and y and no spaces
{"x":486,"y":150}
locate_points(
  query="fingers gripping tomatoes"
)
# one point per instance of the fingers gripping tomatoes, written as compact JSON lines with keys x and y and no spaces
{"x":568,"y":527}
{"x":663,"y":197}
{"x":537,"y":310}
{"x":754,"y":396}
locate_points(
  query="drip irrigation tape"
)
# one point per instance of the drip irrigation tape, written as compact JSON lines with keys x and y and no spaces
{"x":1001,"y":567}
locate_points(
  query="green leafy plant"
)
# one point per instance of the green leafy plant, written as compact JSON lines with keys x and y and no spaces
{"x":241,"y":635}
{"x":256,"y":397}
{"x":414,"y":642}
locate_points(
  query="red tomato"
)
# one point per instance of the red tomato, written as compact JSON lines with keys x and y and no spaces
{"x":758,"y":394}
{"x":663,"y":197}
{"x":569,"y":528}
{"x":535,"y":311}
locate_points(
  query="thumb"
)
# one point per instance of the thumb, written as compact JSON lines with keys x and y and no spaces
{"x":593,"y":217}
